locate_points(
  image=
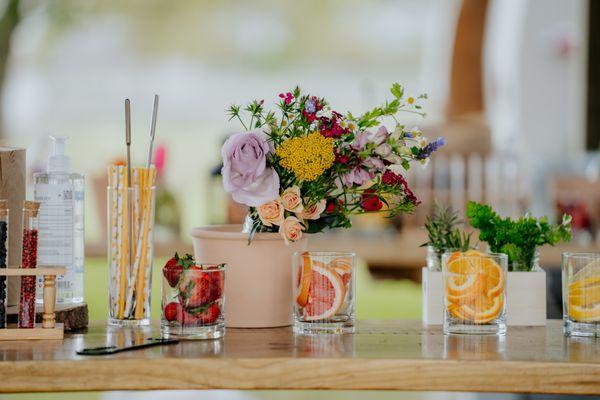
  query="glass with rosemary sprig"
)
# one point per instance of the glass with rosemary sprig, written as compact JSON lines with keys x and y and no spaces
{"x":444,"y":235}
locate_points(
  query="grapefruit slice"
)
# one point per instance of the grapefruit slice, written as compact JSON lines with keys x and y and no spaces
{"x":326,"y":294}
{"x":343,"y":267}
{"x":303,"y":279}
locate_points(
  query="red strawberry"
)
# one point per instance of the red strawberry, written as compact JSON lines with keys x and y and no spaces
{"x":175,"y":266}
{"x":216,"y":285}
{"x":173,"y":311}
{"x":210,"y":315}
{"x":195,"y":288}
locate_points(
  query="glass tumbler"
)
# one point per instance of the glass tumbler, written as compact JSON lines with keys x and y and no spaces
{"x":581,"y":294}
{"x":323,"y":287}
{"x":193,"y":302}
{"x":130,"y":218}
{"x":474,"y":292}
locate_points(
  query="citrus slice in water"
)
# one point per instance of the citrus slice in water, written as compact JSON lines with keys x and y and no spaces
{"x":326,"y":294}
{"x":303,"y":279}
{"x":483,"y":310}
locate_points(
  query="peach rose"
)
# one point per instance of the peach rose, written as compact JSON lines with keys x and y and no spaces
{"x":291,"y":229}
{"x":314,"y":211}
{"x":271,"y":213}
{"x":291,"y":200}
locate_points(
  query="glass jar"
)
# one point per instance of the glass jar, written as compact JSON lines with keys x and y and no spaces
{"x":474,"y":292}
{"x":323,"y":292}
{"x":529,"y":264}
{"x":130,"y":219}
{"x":581,"y":294}
{"x":193,"y":302}
{"x":29,"y":260}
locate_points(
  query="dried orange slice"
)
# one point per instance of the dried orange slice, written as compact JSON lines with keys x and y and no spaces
{"x":304,"y":277}
{"x":326,"y":294}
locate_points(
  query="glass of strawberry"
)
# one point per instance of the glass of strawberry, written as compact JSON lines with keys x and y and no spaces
{"x":193,"y":299}
{"x":324,"y":292}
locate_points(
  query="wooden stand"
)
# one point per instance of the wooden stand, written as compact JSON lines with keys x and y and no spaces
{"x":48,"y":329}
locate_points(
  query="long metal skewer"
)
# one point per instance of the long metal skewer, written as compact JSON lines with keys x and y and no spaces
{"x":129,"y":199}
{"x":152,"y":131}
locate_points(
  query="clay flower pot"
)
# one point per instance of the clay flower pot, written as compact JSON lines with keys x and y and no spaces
{"x":258,"y":283}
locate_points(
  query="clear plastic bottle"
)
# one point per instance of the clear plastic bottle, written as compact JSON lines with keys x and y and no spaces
{"x":61,"y":243}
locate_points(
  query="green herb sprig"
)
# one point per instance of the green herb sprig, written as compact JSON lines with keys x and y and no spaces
{"x":443,"y":232}
{"x":517,"y":238}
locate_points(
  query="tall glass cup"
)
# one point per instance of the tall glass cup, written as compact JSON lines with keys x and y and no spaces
{"x":474,"y":292}
{"x":130,"y":216}
{"x":323,"y":288}
{"x":581,"y":294}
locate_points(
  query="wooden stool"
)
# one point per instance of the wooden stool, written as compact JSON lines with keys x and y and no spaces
{"x":48,"y":329}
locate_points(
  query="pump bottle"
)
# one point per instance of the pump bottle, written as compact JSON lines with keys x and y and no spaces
{"x":61,"y":225}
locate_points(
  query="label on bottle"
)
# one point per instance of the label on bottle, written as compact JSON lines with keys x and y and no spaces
{"x":56,"y":231}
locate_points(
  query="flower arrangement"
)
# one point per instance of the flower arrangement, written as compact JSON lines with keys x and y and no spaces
{"x":306,"y":167}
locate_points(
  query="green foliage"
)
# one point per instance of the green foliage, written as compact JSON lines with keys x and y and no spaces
{"x":443,"y":232}
{"x":517,"y":238}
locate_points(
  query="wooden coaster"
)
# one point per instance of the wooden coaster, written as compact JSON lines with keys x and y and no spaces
{"x":72,"y":316}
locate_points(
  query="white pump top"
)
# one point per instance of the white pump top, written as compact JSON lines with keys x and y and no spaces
{"x":58,"y":161}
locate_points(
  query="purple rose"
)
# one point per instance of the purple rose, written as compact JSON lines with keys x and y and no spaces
{"x":245,"y":172}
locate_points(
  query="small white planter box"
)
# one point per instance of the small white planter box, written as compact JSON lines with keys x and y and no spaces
{"x":525,"y":293}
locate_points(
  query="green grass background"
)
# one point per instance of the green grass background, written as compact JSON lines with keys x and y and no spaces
{"x":375,"y":299}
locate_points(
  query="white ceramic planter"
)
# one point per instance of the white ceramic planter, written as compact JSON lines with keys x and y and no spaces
{"x":258,"y":280}
{"x":525,"y":295}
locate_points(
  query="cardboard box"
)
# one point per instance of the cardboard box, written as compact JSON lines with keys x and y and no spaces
{"x":525,"y":298}
{"x":13,"y":180}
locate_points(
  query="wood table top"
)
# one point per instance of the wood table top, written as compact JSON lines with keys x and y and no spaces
{"x":393,"y":355}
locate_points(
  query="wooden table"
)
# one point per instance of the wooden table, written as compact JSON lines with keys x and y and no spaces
{"x":398,"y":355}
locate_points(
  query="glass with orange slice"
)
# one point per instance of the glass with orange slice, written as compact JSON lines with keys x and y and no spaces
{"x":474,"y":292}
{"x":323,"y":287}
{"x":581,"y":294}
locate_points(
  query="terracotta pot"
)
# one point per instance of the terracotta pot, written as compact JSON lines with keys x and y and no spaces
{"x":258,"y":281}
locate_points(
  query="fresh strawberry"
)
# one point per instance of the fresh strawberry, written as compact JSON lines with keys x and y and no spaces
{"x":195,"y":288}
{"x":216,"y":285}
{"x":210,"y":315}
{"x":173,"y":311}
{"x":175,"y":266}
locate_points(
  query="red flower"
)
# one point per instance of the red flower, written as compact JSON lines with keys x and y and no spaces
{"x":370,"y":202}
{"x":288,"y":97}
{"x":392,"y":179}
{"x":334,"y":206}
{"x":342,"y":159}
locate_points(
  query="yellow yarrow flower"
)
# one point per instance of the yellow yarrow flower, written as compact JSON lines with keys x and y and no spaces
{"x":307,"y":157}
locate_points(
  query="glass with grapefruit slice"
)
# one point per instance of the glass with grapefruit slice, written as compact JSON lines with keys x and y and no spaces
{"x":474,"y":292}
{"x":323,"y":287}
{"x":581,"y":294}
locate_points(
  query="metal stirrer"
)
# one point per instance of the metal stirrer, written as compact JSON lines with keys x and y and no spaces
{"x":152,"y":131}
{"x":129,"y":202}
{"x":128,"y":139}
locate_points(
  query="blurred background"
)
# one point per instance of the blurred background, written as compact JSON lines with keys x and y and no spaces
{"x":513,"y":85}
